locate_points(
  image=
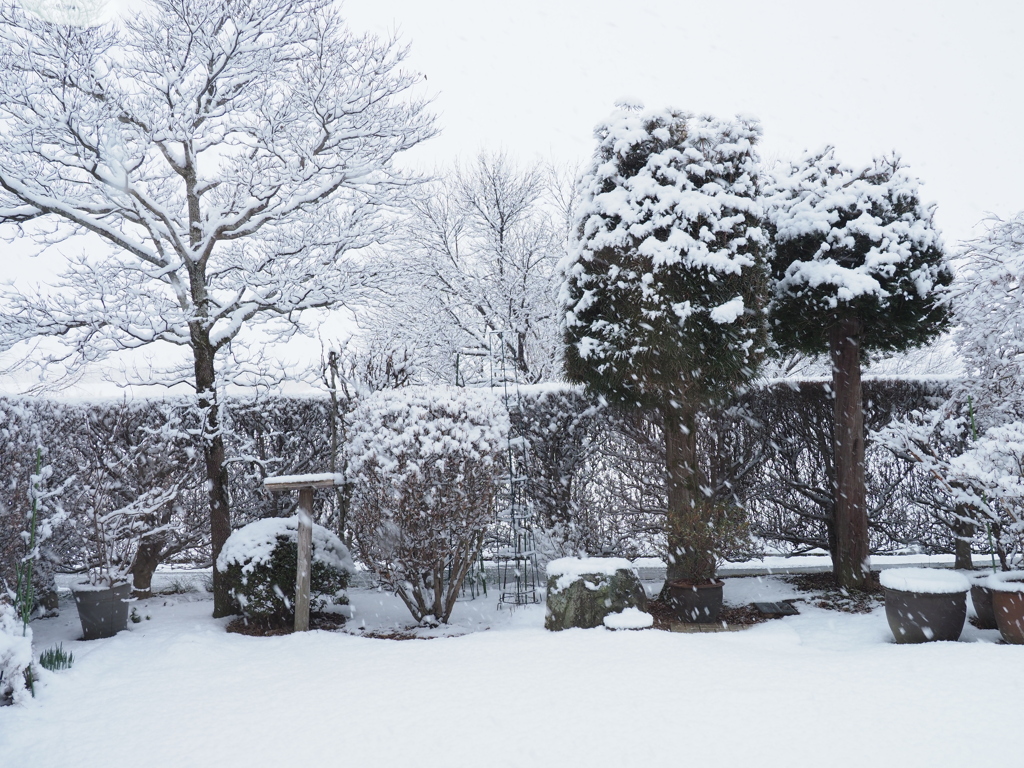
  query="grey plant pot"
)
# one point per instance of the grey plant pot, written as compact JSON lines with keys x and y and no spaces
{"x":695,"y":603}
{"x":918,"y":617}
{"x":981,"y":596}
{"x":103,"y":612}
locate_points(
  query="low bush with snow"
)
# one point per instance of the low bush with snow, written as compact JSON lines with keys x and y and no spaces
{"x":15,"y":656}
{"x":259,"y":562}
{"x":425,"y":464}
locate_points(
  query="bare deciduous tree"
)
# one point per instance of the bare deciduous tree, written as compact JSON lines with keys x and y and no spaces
{"x":228,"y":155}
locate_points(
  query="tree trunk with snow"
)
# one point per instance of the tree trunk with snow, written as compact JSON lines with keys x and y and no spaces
{"x":851,"y":557}
{"x":686,"y":560}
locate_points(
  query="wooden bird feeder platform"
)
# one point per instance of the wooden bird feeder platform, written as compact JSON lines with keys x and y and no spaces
{"x":305,"y":485}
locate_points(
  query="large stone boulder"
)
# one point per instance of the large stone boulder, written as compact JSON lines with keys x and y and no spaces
{"x":582,"y":591}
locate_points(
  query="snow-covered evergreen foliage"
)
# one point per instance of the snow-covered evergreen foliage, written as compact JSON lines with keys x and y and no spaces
{"x":31,"y":508}
{"x":425,"y":466}
{"x":664,"y":288}
{"x":259,"y":563}
{"x":854,"y":241}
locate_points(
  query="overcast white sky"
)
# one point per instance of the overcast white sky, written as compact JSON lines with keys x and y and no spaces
{"x":940,"y":81}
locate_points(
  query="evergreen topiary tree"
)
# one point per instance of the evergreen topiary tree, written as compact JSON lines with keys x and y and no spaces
{"x":663,"y":291}
{"x":858,"y":266}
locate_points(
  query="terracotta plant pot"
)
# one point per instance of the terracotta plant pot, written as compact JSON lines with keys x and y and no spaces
{"x":103,"y":612}
{"x":1008,"y":605}
{"x":924,"y":604}
{"x":695,"y":603}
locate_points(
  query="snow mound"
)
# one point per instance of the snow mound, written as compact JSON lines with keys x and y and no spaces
{"x":928,"y":581}
{"x":254,"y":544}
{"x":629,"y":618}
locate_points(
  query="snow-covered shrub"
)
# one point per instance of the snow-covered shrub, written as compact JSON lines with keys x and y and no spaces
{"x":425,"y":463}
{"x":15,"y":655}
{"x":259,"y":562}
{"x":973,"y":443}
{"x":31,"y":507}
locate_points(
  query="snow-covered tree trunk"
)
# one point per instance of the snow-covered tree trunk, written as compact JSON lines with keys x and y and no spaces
{"x":851,"y":557}
{"x":685,"y":518}
{"x":858,"y":267}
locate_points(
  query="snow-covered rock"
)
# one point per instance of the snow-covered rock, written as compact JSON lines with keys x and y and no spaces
{"x":582,"y":592}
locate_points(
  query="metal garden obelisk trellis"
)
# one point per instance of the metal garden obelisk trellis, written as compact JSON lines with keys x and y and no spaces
{"x":516,"y":551}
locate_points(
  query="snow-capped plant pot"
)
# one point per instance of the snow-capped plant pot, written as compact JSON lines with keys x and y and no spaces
{"x":582,"y":592}
{"x":925,"y":604}
{"x":695,"y":603}
{"x":102,"y":609}
{"x":1008,"y":604}
{"x":981,"y":597}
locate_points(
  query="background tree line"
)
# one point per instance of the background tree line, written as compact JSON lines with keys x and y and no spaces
{"x":597,"y":472}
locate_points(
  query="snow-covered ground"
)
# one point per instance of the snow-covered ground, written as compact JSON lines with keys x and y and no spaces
{"x":822,"y":688}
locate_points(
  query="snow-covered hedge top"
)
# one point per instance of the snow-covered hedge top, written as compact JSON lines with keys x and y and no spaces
{"x":929,"y":581}
{"x":1012,"y":581}
{"x":406,"y":432}
{"x":319,"y":478}
{"x":253,"y":545}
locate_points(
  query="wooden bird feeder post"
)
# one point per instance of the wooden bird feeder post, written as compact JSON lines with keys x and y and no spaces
{"x":304,"y":484}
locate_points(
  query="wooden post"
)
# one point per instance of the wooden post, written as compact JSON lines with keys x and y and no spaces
{"x":305,"y":563}
{"x":304,"y":484}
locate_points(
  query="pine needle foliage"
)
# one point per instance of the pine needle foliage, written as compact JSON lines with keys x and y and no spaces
{"x":855,"y":242}
{"x":663,"y":293}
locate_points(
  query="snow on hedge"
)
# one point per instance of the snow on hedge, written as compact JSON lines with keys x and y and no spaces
{"x":578,"y":566}
{"x":403,"y":431}
{"x":15,"y":656}
{"x":254,"y":544}
{"x":928,"y":581}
